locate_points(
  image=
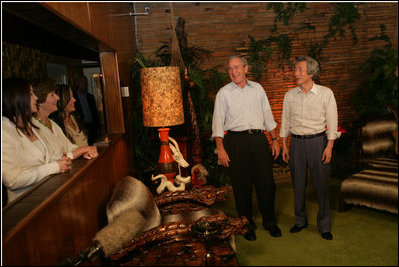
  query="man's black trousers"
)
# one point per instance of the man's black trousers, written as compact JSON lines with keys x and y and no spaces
{"x":251,"y":164}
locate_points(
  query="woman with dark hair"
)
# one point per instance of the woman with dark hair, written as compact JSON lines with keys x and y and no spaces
{"x":25,"y":157}
{"x":66,"y":117}
{"x":50,"y":131}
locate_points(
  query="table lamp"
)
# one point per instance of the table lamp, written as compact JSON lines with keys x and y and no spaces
{"x":162,"y":102}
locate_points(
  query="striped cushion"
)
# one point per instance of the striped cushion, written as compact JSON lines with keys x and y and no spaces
{"x":375,"y":187}
{"x":376,"y":137}
{"x":382,"y":163}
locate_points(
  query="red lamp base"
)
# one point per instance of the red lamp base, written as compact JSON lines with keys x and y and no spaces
{"x":166,"y":163}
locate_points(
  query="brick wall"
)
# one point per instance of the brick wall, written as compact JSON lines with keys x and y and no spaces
{"x":223,"y":28}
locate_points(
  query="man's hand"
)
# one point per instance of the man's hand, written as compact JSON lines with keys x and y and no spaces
{"x":285,"y":153}
{"x":275,"y":149}
{"x":223,"y":157}
{"x":275,"y":144}
{"x":327,"y":153}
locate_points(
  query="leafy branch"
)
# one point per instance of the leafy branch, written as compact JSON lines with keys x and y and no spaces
{"x":345,"y":14}
{"x":285,"y":12}
{"x":260,"y":52}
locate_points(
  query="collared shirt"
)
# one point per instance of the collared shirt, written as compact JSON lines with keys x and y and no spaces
{"x":310,"y":113}
{"x":56,"y":141}
{"x":240,"y":109}
{"x":23,"y":162}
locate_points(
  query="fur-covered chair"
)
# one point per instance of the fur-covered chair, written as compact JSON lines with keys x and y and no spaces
{"x":375,"y":185}
{"x":173,"y":228}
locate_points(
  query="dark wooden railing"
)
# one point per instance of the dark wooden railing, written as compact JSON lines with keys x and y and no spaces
{"x":58,"y":218}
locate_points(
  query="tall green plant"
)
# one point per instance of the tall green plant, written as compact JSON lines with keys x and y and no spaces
{"x":379,"y":87}
{"x":208,"y":82}
{"x":192,"y":56}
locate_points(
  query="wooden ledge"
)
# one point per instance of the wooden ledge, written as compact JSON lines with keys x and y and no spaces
{"x":61,"y":206}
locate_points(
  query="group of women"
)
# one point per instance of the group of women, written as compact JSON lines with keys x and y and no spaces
{"x":40,"y":134}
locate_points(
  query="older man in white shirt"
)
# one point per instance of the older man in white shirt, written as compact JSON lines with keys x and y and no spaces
{"x":243,"y":111}
{"x":308,"y":110}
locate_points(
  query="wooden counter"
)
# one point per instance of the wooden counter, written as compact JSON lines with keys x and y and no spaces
{"x":59,"y":217}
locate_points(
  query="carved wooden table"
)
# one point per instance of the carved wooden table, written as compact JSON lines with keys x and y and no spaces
{"x":192,"y":233}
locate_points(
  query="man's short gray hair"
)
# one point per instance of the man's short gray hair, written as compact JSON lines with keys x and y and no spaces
{"x":243,"y":60}
{"x":312,"y":65}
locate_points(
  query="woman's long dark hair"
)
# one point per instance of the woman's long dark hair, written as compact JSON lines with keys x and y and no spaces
{"x":63,"y":91}
{"x":17,"y":103}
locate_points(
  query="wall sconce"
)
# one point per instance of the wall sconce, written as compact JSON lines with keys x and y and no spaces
{"x":146,"y":12}
{"x":162,"y":101}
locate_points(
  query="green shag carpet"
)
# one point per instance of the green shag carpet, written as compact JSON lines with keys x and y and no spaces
{"x":362,"y":236}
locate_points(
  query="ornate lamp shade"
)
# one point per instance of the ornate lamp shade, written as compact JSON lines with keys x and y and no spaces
{"x":161,"y":96}
{"x":162,"y":101}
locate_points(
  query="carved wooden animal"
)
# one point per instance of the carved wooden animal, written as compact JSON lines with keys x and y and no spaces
{"x":179,"y":180}
{"x":166,"y":184}
{"x":181,"y":162}
{"x":176,"y":154}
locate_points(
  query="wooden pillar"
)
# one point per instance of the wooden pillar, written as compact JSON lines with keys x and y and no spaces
{"x":112,"y":92}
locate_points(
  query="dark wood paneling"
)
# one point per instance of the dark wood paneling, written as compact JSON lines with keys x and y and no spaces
{"x":77,"y":13}
{"x":60,"y":216}
{"x":111,"y":22}
{"x":113,"y":105}
{"x":17,"y":29}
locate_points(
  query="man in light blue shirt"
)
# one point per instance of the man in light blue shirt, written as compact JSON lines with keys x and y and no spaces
{"x":242,"y":110}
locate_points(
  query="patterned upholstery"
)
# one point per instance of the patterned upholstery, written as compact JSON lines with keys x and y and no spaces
{"x":376,"y":184}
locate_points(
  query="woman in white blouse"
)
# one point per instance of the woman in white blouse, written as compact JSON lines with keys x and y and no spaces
{"x":50,"y":131}
{"x":66,"y":118}
{"x":25,"y":157}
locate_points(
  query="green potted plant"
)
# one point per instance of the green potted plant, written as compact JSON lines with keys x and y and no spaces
{"x":379,"y":88}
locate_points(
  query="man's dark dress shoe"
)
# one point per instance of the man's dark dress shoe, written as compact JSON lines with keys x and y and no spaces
{"x":297,"y":228}
{"x":250,"y":236}
{"x":274,"y":231}
{"x":327,"y":235}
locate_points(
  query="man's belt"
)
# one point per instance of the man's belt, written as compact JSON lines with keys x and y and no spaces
{"x":307,"y":135}
{"x":250,"y":131}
